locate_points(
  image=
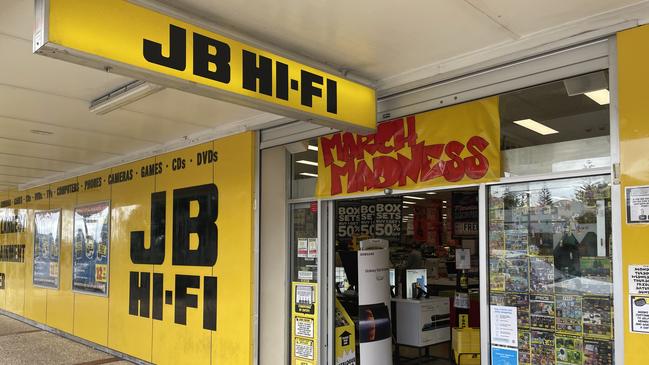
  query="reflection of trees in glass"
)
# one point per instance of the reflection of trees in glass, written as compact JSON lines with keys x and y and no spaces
{"x":513,"y":200}
{"x":589,"y":193}
{"x":545,"y":198}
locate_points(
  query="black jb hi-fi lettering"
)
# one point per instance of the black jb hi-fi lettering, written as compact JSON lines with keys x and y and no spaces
{"x":212,"y":58}
{"x":147,"y":295}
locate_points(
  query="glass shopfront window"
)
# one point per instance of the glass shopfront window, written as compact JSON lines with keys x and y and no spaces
{"x":304,"y":242}
{"x":556,"y":127}
{"x":550,"y":258}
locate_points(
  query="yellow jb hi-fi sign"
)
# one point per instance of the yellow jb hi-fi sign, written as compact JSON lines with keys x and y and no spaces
{"x":136,"y":41}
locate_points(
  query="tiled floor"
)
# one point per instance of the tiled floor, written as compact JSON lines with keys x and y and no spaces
{"x":21,"y":344}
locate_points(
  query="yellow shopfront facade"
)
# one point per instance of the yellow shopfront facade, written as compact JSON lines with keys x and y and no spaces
{"x":190,"y":256}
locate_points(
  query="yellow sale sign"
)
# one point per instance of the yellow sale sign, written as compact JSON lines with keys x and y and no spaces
{"x":450,"y":146}
{"x":142,"y":43}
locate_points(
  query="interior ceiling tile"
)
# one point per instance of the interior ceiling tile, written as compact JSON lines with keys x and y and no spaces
{"x":12,"y":179}
{"x":24,"y":172}
{"x":20,"y":67}
{"x":374,"y":39}
{"x":19,"y":103}
{"x":61,"y":136}
{"x":43,"y":164}
{"x":16,"y":18}
{"x":527,"y":17}
{"x":190,"y":108}
{"x":57,"y":153}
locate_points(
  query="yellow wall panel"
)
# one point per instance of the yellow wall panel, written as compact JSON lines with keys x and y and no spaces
{"x":91,"y":311}
{"x":131,"y":211}
{"x":35,"y":297}
{"x":3,"y":239}
{"x":60,"y":303}
{"x":634,"y":139}
{"x":15,"y":271}
{"x":234,"y":176}
{"x":181,"y":246}
{"x":175,"y":343}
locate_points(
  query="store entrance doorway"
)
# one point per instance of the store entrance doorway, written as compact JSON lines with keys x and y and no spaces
{"x":406,"y":275}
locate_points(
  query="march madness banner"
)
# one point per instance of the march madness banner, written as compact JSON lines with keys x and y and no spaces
{"x":450,"y":146}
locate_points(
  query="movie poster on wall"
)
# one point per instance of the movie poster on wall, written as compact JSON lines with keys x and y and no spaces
{"x":47,"y":248}
{"x":91,"y":248}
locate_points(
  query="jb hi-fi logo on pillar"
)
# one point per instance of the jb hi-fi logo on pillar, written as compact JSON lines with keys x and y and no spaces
{"x":149,"y":303}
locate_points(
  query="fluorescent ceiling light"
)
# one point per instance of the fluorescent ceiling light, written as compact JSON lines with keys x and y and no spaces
{"x":307,"y":162}
{"x":405,"y":207}
{"x":123,"y":96}
{"x":601,"y":97}
{"x":407,"y":202}
{"x":414,"y":197}
{"x":444,"y":201}
{"x":536,"y":126}
{"x":313,"y":148}
{"x":431,"y":193}
{"x":308,"y":174}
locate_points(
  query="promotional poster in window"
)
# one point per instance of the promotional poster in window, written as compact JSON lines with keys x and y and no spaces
{"x":91,"y":247}
{"x":47,"y":248}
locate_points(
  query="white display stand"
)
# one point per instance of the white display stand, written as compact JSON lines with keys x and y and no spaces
{"x":423,"y":322}
{"x":374,"y":289}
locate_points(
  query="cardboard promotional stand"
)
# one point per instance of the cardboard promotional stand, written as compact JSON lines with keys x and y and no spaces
{"x":375,"y":330}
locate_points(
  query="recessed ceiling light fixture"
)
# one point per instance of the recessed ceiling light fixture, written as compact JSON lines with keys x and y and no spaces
{"x":414,"y":197}
{"x":313,"y":148}
{"x":308,"y":174}
{"x":431,"y":193}
{"x":123,"y":96}
{"x":307,"y":162}
{"x":536,"y":126}
{"x":41,"y":132}
{"x":601,"y":97}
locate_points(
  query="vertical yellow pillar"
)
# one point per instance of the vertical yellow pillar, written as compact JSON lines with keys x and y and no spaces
{"x":633,"y":66}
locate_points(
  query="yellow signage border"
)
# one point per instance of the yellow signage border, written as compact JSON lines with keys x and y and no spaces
{"x":102,"y":35}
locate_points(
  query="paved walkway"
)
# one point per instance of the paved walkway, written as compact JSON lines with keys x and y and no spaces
{"x":21,"y":344}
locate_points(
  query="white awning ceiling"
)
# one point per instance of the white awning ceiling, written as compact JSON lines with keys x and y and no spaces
{"x":389,"y":43}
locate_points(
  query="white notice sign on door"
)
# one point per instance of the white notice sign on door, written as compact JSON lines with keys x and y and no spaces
{"x":639,"y":314}
{"x":504,"y":326}
{"x":639,"y":279}
{"x":637,"y":204}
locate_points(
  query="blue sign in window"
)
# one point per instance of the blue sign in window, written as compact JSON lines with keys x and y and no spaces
{"x":504,"y":356}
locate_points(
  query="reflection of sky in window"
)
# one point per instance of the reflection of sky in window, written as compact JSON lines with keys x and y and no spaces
{"x":561,"y":190}
{"x":93,"y":223}
{"x":48,"y":223}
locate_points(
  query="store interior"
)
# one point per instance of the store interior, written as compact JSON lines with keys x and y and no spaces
{"x":424,"y":232}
